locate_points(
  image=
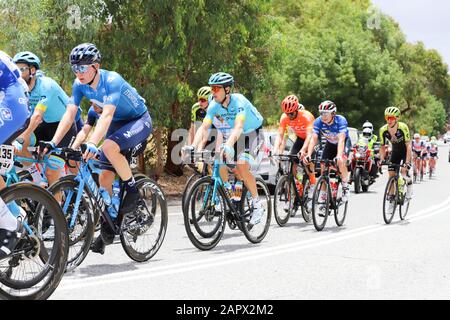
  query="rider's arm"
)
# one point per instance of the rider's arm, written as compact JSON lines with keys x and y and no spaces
{"x":237,"y":131}
{"x":312,"y":143}
{"x":35,"y":121}
{"x":279,"y":142}
{"x":309,"y":131}
{"x":408,"y":151}
{"x":341,"y":144}
{"x":65,"y":124}
{"x":191,"y":133}
{"x":202,"y":132}
{"x":103,"y":124}
{"x":81,"y":136}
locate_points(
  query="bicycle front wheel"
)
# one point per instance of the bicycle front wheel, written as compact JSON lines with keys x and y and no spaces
{"x":390,"y":200}
{"x":35,"y":267}
{"x":284,"y":198}
{"x":340,"y":209}
{"x":143,"y":231}
{"x":204,"y":217}
{"x":321,"y":204}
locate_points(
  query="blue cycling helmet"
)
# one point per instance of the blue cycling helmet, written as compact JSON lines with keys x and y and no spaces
{"x":84,"y":54}
{"x":28,"y":58}
{"x":221,"y":79}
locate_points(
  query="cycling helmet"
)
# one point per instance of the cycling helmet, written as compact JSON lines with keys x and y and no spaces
{"x":28,"y":58}
{"x":416,"y":136}
{"x":433,"y":138}
{"x":84,"y":54}
{"x":367,"y":133}
{"x":327,"y":106}
{"x":367,"y":124}
{"x":392,"y":111}
{"x":204,"y":92}
{"x":301,"y":107}
{"x":221,"y":79}
{"x":289,"y":104}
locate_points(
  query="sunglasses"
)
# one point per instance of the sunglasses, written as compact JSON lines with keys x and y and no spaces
{"x":80,"y":69}
{"x":202,"y":100}
{"x":24,"y":68}
{"x":325,"y":113}
{"x":391,"y":118}
{"x":215,"y":89}
{"x":291,"y":114}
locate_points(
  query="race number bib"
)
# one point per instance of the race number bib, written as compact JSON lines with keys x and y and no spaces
{"x":6,"y":159}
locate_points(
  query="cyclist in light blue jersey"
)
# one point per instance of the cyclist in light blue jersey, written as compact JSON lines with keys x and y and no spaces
{"x":48,"y":103}
{"x":13,"y":115}
{"x":124,"y":123}
{"x":239,"y":123}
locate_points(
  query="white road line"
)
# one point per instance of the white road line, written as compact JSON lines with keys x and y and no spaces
{"x":257,"y":253}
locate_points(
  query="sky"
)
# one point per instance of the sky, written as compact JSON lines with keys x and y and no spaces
{"x":422,"y":20}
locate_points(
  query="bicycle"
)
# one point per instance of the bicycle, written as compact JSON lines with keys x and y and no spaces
{"x":327,"y":196}
{"x":395,"y":195}
{"x":215,"y":207}
{"x":36,"y":265}
{"x":291,"y":192}
{"x":151,"y":215}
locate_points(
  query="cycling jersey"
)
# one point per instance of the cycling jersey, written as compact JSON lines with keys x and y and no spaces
{"x":111,"y":89}
{"x":197,"y":113}
{"x":400,"y":138}
{"x":14,"y":109}
{"x":417,"y":146}
{"x":239,"y":108}
{"x":301,"y":125}
{"x":50,"y":98}
{"x":332,"y":131}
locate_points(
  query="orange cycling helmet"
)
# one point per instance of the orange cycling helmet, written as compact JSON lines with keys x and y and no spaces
{"x":289,"y":104}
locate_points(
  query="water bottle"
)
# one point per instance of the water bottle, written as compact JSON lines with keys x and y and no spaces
{"x":35,"y":174}
{"x":237,"y":191}
{"x":228,"y":189}
{"x":116,"y":196}
{"x":401,"y":183}
{"x":334,"y":187}
{"x":105,"y":195}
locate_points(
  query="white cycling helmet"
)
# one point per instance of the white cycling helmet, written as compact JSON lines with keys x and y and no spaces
{"x":301,"y":107}
{"x":367,"y":124}
{"x":416,"y":136}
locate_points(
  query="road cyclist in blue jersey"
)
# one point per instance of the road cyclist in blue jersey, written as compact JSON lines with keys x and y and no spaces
{"x":124,"y":123}
{"x":239,"y":124}
{"x":48,"y":103}
{"x":337,"y":147}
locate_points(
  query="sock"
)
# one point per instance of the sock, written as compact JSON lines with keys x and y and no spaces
{"x":7,"y":220}
{"x":130,"y":185}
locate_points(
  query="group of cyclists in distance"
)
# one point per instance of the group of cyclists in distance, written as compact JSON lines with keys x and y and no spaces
{"x":34,"y":108}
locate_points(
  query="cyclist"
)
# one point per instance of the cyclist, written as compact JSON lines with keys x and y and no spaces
{"x":425,"y":155}
{"x":417,"y":146}
{"x":239,"y":123}
{"x":48,"y":103}
{"x":433,"y":153}
{"x":334,"y":129}
{"x":124,"y":123}
{"x":301,"y":122}
{"x":198,"y":111}
{"x":15,"y":112}
{"x":398,"y":134}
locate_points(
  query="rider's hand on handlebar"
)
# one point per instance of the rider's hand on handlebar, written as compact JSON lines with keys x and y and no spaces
{"x":46,"y":146}
{"x":90,"y":152}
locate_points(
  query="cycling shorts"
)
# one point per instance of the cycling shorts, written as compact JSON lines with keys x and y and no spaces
{"x":397,"y":158}
{"x":45,"y":132}
{"x":330,"y":150}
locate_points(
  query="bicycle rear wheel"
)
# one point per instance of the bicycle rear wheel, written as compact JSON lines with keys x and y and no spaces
{"x":143,"y":231}
{"x":201,"y":214}
{"x":321,"y":205}
{"x":256,"y":233}
{"x":35,"y":267}
{"x":390,"y":200}
{"x":340,"y":210}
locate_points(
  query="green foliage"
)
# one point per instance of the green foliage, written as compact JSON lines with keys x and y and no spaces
{"x":316,"y":49}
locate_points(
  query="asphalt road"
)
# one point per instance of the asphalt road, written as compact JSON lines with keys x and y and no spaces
{"x":364,"y":259}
